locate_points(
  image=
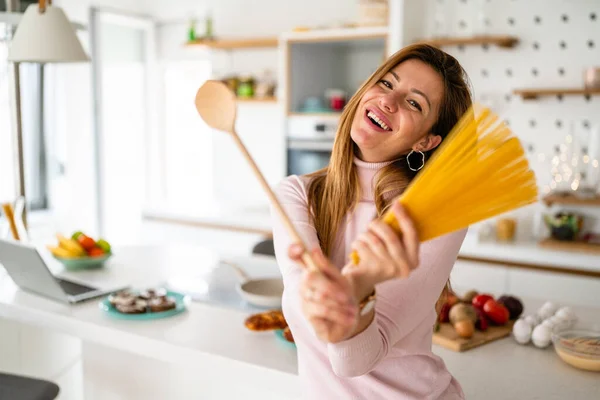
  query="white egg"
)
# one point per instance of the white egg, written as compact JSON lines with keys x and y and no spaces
{"x":567,"y":314}
{"x":522,"y":331}
{"x":549,"y":322}
{"x":541,"y":336}
{"x":533,"y":320}
{"x":543,"y":314}
{"x":549,"y":308}
{"x":559,"y":323}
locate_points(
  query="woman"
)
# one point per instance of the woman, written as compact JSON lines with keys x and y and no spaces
{"x":348,"y":349}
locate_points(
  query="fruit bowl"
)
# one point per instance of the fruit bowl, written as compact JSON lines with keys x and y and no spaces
{"x":80,"y":251}
{"x":79,"y":263}
{"x":579,"y":348}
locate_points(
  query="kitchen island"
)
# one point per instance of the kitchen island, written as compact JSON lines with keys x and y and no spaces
{"x":207,"y":352}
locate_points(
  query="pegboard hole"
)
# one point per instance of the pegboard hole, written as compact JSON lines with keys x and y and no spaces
{"x":590,"y":44}
{"x":565,"y":18}
{"x":592,"y":16}
{"x":511,"y":21}
{"x":461,"y":48}
{"x":485,"y":47}
{"x":561,"y":71}
{"x":559,"y":123}
{"x":586,"y":124}
{"x":534,"y":72}
{"x":509,"y":72}
{"x":559,"y":97}
{"x":508,"y":98}
{"x":484,"y":73}
{"x":532,"y":123}
{"x":536,"y":46}
{"x":563,"y":44}
{"x":537,"y":19}
{"x":588,"y":97}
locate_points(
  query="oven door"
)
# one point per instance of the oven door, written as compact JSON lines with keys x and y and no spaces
{"x":306,"y":156}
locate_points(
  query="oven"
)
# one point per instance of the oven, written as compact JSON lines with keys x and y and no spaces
{"x":309,"y":142}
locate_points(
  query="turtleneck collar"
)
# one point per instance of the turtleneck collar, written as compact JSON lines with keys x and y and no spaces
{"x":366,"y":172}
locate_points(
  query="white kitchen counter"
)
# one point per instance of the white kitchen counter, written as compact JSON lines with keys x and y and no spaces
{"x":213,"y":338}
{"x":526,"y":252}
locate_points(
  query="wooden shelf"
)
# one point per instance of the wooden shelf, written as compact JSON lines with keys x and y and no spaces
{"x":500,"y":41}
{"x":529,"y":94}
{"x":230,"y":44}
{"x":325,"y":114}
{"x":554,"y":244}
{"x":336,"y":34}
{"x":257,"y":99}
{"x":571,"y":200}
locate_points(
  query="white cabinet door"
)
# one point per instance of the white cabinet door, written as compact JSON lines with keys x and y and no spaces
{"x":483,"y":277}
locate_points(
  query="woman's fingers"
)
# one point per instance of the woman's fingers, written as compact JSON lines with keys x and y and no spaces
{"x":410,"y":237}
{"x":295,"y":251}
{"x":317,"y":287}
{"x":344,"y":316}
{"x":394,"y":257}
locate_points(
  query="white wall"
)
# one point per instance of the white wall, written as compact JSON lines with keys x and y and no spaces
{"x":259,"y":125}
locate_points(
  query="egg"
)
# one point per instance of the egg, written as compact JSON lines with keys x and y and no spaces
{"x":532,"y":320}
{"x":522,"y":331}
{"x":541,"y":336}
{"x":560,"y":323}
{"x":549,"y":308}
{"x":567,"y":314}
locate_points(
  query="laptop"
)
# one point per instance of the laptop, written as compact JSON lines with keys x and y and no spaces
{"x":28,"y":270}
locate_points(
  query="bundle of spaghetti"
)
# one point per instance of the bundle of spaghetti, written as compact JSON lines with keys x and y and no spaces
{"x":479,"y":171}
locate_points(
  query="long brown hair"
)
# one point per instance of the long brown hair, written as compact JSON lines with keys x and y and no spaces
{"x":335,"y":190}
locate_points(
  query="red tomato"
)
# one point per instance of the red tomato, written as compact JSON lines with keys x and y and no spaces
{"x":96,"y":252}
{"x":496,"y":312}
{"x":86,"y":242}
{"x":479,"y":300}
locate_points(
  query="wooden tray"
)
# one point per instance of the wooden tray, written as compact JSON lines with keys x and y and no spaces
{"x":448,"y":338}
{"x":570,"y":245}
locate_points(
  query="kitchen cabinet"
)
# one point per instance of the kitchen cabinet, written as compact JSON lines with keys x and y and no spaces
{"x":320,"y":71}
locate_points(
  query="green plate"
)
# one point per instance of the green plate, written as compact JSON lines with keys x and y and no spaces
{"x":181,"y":303}
{"x":279,"y":335}
{"x":73,"y":264}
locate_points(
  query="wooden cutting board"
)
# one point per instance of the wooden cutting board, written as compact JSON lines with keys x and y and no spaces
{"x":447,"y":337}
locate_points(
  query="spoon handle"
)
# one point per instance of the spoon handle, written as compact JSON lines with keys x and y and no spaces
{"x":286,"y":220}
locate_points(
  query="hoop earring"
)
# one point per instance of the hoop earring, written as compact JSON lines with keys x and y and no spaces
{"x":422,"y":160}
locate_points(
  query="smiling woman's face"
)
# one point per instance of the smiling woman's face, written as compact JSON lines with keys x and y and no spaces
{"x":397,"y":113}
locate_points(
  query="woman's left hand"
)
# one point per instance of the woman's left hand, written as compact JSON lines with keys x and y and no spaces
{"x":383,"y":253}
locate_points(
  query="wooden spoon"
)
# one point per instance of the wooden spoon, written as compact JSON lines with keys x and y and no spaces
{"x":216,"y":104}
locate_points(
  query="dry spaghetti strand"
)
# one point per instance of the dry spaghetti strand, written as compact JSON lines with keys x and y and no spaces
{"x":479,"y":171}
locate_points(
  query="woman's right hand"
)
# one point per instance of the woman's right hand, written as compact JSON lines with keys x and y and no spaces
{"x":327,"y":298}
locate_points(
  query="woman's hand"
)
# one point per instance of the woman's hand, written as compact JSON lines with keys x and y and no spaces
{"x":327,"y":298}
{"x":383,"y":253}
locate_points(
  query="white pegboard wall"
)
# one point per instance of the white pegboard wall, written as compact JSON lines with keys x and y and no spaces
{"x":558,"y":39}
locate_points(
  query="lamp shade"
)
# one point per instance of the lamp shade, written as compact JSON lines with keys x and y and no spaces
{"x":45,"y":37}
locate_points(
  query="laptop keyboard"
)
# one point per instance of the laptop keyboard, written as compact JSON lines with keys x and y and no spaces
{"x":73,"y":288}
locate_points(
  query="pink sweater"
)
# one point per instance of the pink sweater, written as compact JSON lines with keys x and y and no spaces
{"x":392,"y":358}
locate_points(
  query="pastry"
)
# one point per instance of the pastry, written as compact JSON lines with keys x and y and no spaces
{"x":269,"y":320}
{"x":139,"y":306}
{"x":162,"y":303}
{"x":287,"y":334}
{"x":123,"y":298}
{"x":152,"y":293}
